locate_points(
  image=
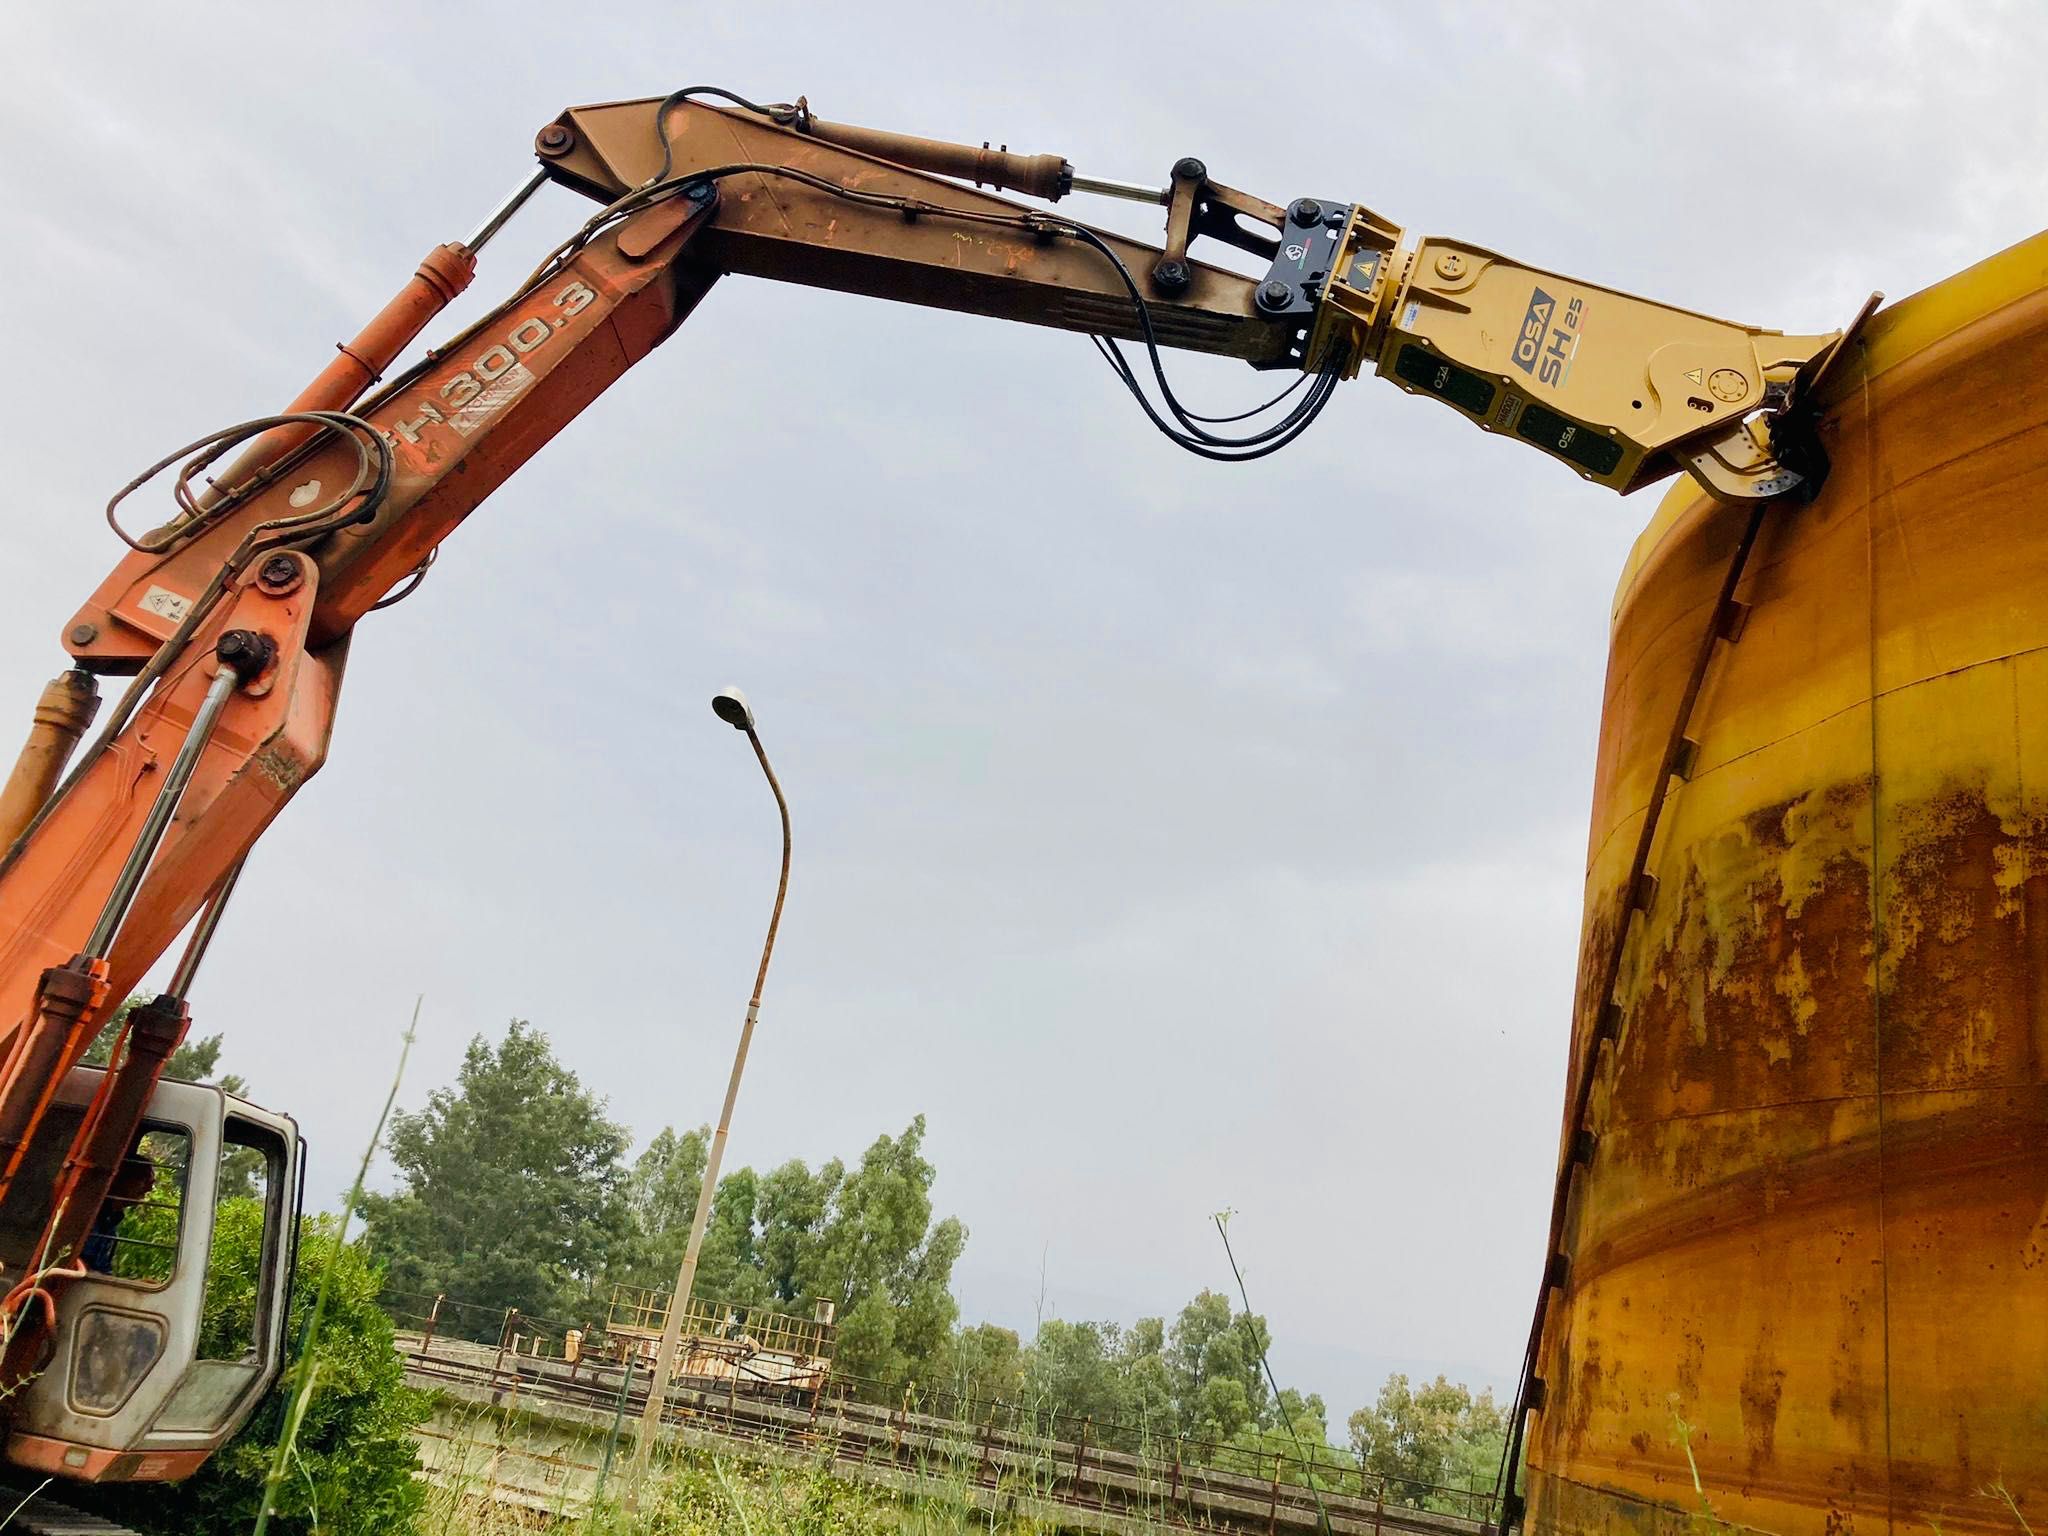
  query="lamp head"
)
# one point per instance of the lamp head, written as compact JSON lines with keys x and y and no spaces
{"x":731,"y":706}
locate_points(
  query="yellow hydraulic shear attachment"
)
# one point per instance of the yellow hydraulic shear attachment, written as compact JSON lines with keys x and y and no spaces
{"x":1624,"y":390}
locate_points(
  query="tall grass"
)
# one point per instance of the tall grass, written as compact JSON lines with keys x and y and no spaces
{"x":701,"y":1492}
{"x":302,"y":1390}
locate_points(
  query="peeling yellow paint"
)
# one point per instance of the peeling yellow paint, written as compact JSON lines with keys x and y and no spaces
{"x":2009,"y":871}
{"x":1792,"y":985}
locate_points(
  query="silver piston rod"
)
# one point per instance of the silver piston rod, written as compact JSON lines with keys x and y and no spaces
{"x":1129,"y":191}
{"x":242,"y":654}
{"x":202,"y":935}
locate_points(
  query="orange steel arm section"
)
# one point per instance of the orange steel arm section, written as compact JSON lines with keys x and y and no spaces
{"x":545,"y":357}
{"x":957,"y":248}
{"x":467,"y":418}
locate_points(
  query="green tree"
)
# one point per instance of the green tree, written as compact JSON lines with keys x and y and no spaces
{"x":1148,"y":1382}
{"x":1212,"y":1360}
{"x":921,"y":1291}
{"x":1303,"y":1413}
{"x":1073,"y":1373}
{"x":983,"y":1366}
{"x":1294,"y":1429}
{"x":1476,"y":1451}
{"x":879,"y":1257}
{"x":864,"y":1241}
{"x":1199,"y":1381}
{"x":194,"y":1061}
{"x":1423,"y":1437}
{"x":750,"y":1248}
{"x":793,"y":1208}
{"x":661,"y":1196}
{"x":729,"y":1267}
{"x":513,"y":1186}
{"x":353,"y":1471}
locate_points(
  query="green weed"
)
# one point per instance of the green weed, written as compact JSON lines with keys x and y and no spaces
{"x":302,"y":1391}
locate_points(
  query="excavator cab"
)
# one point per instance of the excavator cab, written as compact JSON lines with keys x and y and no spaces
{"x":171,"y":1337}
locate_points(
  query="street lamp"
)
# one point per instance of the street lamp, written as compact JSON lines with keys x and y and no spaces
{"x":731,"y":706}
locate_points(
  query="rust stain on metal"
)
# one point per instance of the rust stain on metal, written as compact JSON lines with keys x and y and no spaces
{"x":1763,"y":1387}
{"x":283,"y":768}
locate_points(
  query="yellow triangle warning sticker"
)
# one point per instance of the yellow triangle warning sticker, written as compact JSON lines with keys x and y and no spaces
{"x":1694,"y":374}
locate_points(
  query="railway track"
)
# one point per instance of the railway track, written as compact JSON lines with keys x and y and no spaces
{"x":29,"y":1510}
{"x":532,"y":1431}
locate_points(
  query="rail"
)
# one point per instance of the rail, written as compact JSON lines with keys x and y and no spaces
{"x":1076,"y":1483}
{"x":1324,"y":1467}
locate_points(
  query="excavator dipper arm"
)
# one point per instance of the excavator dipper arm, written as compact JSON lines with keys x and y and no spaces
{"x":901,"y":234}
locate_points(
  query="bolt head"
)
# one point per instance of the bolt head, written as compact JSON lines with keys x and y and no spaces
{"x":1274,"y":295}
{"x":554,"y":140}
{"x":1172,"y":276}
{"x":1305,"y":210}
{"x":84,"y":634}
{"x":244,"y":652}
{"x":1188,"y":168}
{"x":1727,"y":385}
{"x":278,"y":575}
{"x":1450,"y":264}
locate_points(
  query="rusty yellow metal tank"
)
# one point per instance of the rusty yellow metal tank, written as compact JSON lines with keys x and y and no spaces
{"x":1807,"y":1282}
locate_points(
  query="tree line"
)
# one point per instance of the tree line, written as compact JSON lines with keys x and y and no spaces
{"x":515,"y":1191}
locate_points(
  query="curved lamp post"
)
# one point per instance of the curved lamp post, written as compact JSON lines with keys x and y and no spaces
{"x":731,"y":706}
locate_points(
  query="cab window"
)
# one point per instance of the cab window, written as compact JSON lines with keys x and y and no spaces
{"x":134,"y":1235}
{"x":248,"y":1207}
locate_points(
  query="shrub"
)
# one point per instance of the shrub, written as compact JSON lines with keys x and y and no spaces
{"x":353,"y":1465}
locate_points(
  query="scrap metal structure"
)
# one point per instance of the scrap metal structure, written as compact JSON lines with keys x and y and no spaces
{"x":752,"y":1347}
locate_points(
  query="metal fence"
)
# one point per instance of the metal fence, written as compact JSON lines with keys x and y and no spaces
{"x":533,"y":1351}
{"x":1306,"y":1464}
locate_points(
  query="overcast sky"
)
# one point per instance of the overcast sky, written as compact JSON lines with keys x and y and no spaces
{"x":1175,"y":836}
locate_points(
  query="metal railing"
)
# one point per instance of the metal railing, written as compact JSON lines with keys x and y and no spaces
{"x":898,"y":1449}
{"x":528,"y":1352}
{"x":1315,"y":1465}
{"x":440,"y":1316}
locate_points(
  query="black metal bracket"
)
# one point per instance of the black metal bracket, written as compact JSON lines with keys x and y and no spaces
{"x":1311,"y":232}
